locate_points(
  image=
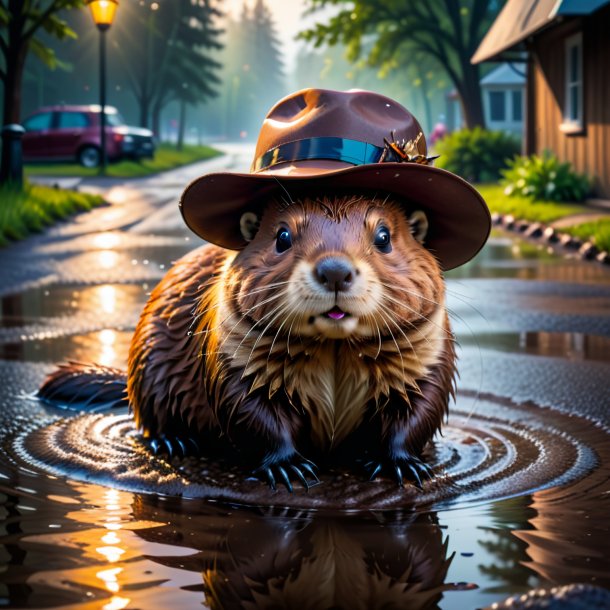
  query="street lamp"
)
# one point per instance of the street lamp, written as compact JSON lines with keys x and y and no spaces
{"x":103,"y":12}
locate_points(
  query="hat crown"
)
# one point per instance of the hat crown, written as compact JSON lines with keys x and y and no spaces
{"x":357,"y":115}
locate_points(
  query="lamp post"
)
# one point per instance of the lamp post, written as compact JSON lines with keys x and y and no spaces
{"x":103,"y":12}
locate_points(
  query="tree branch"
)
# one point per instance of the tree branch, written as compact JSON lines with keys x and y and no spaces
{"x":55,"y":6}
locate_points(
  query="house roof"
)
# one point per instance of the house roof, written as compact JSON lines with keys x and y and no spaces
{"x":504,"y":74}
{"x":521,"y":18}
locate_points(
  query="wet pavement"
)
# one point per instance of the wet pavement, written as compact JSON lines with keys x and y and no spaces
{"x":531,"y":421}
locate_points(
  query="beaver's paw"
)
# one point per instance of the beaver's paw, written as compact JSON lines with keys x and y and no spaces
{"x":173,"y":446}
{"x":283,"y":467}
{"x":400,"y":467}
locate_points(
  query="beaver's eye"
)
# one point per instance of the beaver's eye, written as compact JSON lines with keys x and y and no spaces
{"x":283,"y":241}
{"x":382,"y":239}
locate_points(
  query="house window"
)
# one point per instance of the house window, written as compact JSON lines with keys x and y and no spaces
{"x":573,"y":107}
{"x":517,"y":106}
{"x":497,"y":106}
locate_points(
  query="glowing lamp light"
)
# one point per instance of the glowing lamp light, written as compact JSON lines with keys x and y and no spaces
{"x":103,"y":12}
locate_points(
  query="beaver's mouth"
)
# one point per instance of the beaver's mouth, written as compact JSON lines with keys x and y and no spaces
{"x":336,"y":313}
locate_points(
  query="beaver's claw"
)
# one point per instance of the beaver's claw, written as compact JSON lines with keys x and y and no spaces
{"x":400,"y":467}
{"x":173,"y":446}
{"x":275,"y":469}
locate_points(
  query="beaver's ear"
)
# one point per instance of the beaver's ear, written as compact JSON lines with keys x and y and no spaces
{"x":248,"y":225}
{"x":418,"y":222}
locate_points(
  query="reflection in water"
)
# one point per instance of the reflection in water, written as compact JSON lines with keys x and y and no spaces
{"x":79,"y":301}
{"x":88,"y":333}
{"x":107,"y":297}
{"x":108,"y":259}
{"x":102,"y":347}
{"x":570,"y":534}
{"x":506,"y":551}
{"x":106,"y":240}
{"x":306,"y":561}
{"x":568,"y":345}
{"x":107,"y":353}
{"x":514,"y":258}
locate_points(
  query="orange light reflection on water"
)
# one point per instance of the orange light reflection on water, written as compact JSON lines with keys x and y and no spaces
{"x":110,"y":562}
{"x":116,"y":603}
{"x":112,"y":551}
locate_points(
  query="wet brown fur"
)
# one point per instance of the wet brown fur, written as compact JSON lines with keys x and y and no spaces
{"x":224,"y":348}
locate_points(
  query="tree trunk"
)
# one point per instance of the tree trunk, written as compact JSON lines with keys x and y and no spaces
{"x":156,"y":120}
{"x":15,"y":64}
{"x":144,"y":111}
{"x":181,"y":125}
{"x":425,"y":100}
{"x":469,"y":90}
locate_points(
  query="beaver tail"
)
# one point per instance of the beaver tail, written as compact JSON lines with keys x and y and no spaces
{"x":85,"y":387}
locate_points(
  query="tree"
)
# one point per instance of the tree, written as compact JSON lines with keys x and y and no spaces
{"x":253,"y":73}
{"x":446,"y":31}
{"x":169,"y":60}
{"x":20,"y":23}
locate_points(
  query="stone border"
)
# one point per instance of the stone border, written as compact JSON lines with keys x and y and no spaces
{"x":586,"y":250}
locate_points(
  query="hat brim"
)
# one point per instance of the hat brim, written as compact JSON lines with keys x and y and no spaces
{"x":459,"y":220}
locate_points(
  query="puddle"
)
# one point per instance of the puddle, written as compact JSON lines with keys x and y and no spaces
{"x":505,"y":257}
{"x":18,"y":310}
{"x":108,"y":347}
{"x":570,"y":346}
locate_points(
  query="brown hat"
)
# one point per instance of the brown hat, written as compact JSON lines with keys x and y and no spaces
{"x":358,"y":140}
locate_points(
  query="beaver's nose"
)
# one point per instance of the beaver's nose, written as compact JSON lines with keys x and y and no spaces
{"x":335,"y":273}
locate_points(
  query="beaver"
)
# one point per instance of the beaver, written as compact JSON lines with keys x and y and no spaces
{"x":331,"y":319}
{"x":312,"y":328}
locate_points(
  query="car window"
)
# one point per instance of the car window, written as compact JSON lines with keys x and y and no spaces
{"x":114,"y":119}
{"x":38,"y":122}
{"x":72,"y":119}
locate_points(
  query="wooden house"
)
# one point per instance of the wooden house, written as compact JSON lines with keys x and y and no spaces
{"x":568,"y":78}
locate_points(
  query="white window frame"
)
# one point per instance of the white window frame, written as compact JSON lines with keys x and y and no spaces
{"x":570,"y":124}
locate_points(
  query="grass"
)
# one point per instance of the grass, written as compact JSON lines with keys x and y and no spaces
{"x":166,"y":157}
{"x":598,"y":231}
{"x":36,"y":207}
{"x":524,"y":208}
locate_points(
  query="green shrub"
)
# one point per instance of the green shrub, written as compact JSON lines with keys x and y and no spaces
{"x":476,"y":154}
{"x":544,"y":178}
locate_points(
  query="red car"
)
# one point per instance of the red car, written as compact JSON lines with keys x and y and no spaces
{"x":73,"y":132}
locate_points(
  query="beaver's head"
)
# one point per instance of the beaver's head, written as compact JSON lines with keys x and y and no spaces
{"x":336,"y":267}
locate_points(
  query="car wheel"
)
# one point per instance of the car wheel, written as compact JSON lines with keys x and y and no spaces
{"x":89,"y":156}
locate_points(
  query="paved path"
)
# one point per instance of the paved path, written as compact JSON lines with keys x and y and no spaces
{"x":69,"y":252}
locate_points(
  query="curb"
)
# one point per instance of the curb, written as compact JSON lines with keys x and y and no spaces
{"x":536,"y":231}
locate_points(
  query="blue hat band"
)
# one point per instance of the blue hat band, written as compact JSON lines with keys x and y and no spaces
{"x":330,"y":149}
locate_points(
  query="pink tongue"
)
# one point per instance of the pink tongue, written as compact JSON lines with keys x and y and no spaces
{"x":336,"y":314}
